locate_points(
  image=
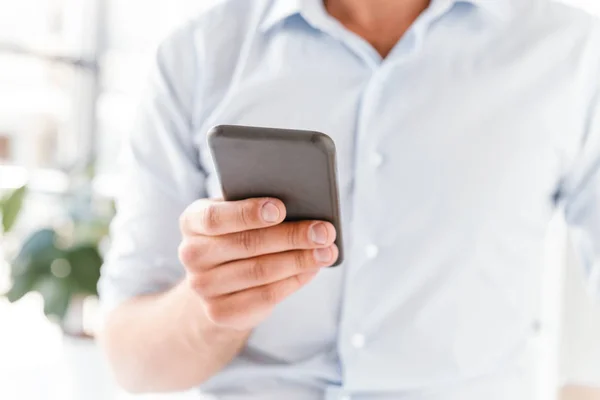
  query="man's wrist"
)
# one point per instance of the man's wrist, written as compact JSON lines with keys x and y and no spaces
{"x":202,"y":328}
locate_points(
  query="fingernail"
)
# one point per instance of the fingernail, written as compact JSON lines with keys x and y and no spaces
{"x":318,"y":233}
{"x":323,"y":255}
{"x":270,"y":212}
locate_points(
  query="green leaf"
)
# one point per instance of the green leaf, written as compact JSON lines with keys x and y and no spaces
{"x":56,"y":293}
{"x":85,"y":263}
{"x":21,"y":285}
{"x":37,"y":253}
{"x":11,"y":206}
{"x":38,"y":241}
{"x":32,"y":263}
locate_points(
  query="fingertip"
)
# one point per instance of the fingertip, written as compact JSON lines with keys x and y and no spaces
{"x":331,"y":232}
{"x":272,"y":210}
{"x":281,"y":206}
{"x":310,"y":275}
{"x":336,"y":252}
{"x":197,"y":214}
{"x":326,"y":256}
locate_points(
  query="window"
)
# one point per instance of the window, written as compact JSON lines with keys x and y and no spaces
{"x":70,"y":75}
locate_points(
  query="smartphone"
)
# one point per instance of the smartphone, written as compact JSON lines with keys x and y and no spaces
{"x":298,"y":167}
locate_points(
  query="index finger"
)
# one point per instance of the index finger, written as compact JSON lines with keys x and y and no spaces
{"x":211,"y":217}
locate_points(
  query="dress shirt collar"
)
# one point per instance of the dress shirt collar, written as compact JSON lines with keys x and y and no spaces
{"x":280,"y":10}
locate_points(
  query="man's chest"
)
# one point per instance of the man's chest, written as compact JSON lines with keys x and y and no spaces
{"x":442,"y":168}
{"x":462,"y":136}
{"x":449,"y":158}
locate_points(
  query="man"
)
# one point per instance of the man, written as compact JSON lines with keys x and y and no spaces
{"x":461,"y":126}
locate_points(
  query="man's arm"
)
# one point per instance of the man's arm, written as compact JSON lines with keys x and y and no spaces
{"x":186,"y":280}
{"x":580,"y":393}
{"x":240,"y":262}
{"x":165,"y":342}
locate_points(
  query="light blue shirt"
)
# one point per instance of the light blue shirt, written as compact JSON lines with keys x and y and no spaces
{"x":453,"y":154}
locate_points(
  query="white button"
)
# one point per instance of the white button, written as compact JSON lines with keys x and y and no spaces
{"x":345,"y":397}
{"x":536,"y":327}
{"x":358,"y":341}
{"x":372,"y":251}
{"x":376,"y":159}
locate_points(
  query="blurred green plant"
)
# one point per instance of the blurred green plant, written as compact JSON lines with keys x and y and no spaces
{"x":56,"y":271}
{"x":10,"y":207}
{"x":63,"y":262}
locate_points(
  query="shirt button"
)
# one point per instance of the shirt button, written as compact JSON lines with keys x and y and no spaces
{"x":372,"y":251}
{"x":376,"y":159}
{"x":358,"y":341}
{"x":536,"y":327}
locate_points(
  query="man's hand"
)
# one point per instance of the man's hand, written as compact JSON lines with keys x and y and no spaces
{"x":242,"y":260}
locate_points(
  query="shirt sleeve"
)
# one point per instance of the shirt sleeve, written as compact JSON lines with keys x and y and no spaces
{"x":581,"y":197}
{"x":161,"y":174}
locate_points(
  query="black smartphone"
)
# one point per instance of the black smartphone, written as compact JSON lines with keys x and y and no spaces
{"x":298,"y":167}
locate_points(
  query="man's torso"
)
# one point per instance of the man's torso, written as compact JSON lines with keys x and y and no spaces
{"x":450,"y":154}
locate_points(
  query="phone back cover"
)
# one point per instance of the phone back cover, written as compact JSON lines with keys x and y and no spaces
{"x":297,"y":167}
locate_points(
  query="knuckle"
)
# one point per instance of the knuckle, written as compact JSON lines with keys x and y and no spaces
{"x":210,"y":218}
{"x":301,"y":261}
{"x":294,"y":235}
{"x":247,"y":213}
{"x":257,"y":271}
{"x":191,"y":252}
{"x":269,"y":295}
{"x":202,"y":284}
{"x":249,"y":241}
{"x":217,"y":312}
{"x":187,"y":253}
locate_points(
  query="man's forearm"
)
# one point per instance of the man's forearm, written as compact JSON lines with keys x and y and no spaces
{"x":165,"y":342}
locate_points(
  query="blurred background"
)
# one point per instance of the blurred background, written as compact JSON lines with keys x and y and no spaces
{"x":70,"y":75}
